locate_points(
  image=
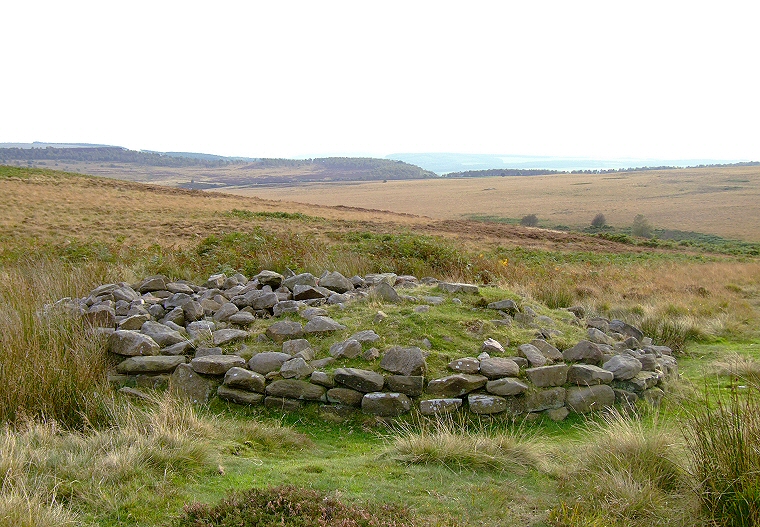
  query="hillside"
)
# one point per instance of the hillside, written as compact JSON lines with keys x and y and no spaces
{"x":191,"y":170}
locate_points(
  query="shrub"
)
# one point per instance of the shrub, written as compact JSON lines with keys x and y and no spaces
{"x":723,"y":434}
{"x":641,"y":227}
{"x":599,"y":221}
{"x":291,"y":506}
{"x":530,"y":220}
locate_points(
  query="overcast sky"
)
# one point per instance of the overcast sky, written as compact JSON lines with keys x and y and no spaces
{"x":283,"y":79}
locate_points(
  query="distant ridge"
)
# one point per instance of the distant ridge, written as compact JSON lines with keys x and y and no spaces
{"x":445,"y":163}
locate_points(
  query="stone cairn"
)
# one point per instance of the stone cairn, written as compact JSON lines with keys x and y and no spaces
{"x":172,"y":334}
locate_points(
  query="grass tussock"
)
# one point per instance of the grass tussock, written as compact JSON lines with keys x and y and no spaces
{"x":723,"y":434}
{"x":52,"y":365}
{"x":626,"y":473}
{"x":739,"y":367}
{"x":446,"y":442}
{"x":292,"y":506}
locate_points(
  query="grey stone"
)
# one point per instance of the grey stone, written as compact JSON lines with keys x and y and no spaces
{"x":371,"y":354}
{"x":508,"y":306}
{"x":628,"y":330}
{"x":486,"y":404}
{"x":177,"y":300}
{"x":323,"y":379}
{"x":193,"y":311}
{"x":625,"y":398}
{"x":216,"y":364}
{"x":285,"y":330}
{"x":644,"y":380}
{"x":360,"y":380}
{"x":242,"y":318}
{"x":348,"y":349}
{"x":492,"y":346}
{"x":545,"y":376}
{"x":321,"y":325}
{"x":377,"y":278}
{"x":200,"y":329}
{"x":311,"y":312}
{"x":598,"y":337}
{"x":152,"y":283}
{"x":465,"y":365}
{"x":175,"y":315}
{"x":296,"y":368}
{"x":181,"y":348}
{"x":386,"y":404}
{"x":456,"y":385}
{"x":404,"y":361}
{"x":365,"y":336}
{"x":584,"y":399}
{"x":225,"y":312}
{"x":268,"y":361}
{"x":602,"y":324}
{"x":179,"y":287}
{"x":283,"y":404}
{"x":186,"y":383}
{"x":544,"y":399}
{"x":131,"y":343}
{"x":227,"y":336}
{"x":322,"y":363}
{"x":345,"y":396}
{"x":498,"y":367}
{"x":335,"y":281}
{"x":242,"y":379}
{"x":506,"y":386}
{"x":557,"y":414}
{"x":549,"y":351}
{"x":238,"y":396}
{"x":653,"y":396}
{"x":532,"y":354}
{"x":291,"y":347}
{"x":387,"y":293}
{"x":134,"y":322}
{"x":588,"y":375}
{"x":149,"y":364}
{"x":215,"y":281}
{"x":440,"y":406}
{"x":163,"y":335}
{"x":307,"y":292}
{"x":457,"y":287}
{"x":412,"y":385}
{"x":623,"y":367}
{"x":585,"y":352}
{"x":295,"y":389}
{"x":270,"y":278}
{"x":307,"y":279}
{"x":286,"y":306}
{"x":205,"y":351}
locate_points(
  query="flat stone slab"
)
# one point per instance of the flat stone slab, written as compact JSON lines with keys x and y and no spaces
{"x":585,"y":352}
{"x":345,"y":396}
{"x":440,"y":406}
{"x":486,"y":404}
{"x":227,"y":336}
{"x":456,"y":287}
{"x":268,"y":361}
{"x":295,"y":389}
{"x":456,"y":385}
{"x":544,"y":376}
{"x":285,"y":330}
{"x":242,"y":379}
{"x":216,"y":364}
{"x":163,"y":335}
{"x":465,"y":365}
{"x":237,"y":396}
{"x":506,"y":386}
{"x":411,"y":385}
{"x":404,"y":361}
{"x":544,"y":399}
{"x":149,"y":364}
{"x":321,"y":325}
{"x":584,"y":399}
{"x":361,"y":380}
{"x":588,"y":375}
{"x":386,"y":404}
{"x":131,"y":343}
{"x":499,"y":367}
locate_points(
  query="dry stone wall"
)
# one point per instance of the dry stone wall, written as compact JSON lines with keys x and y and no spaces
{"x":182,"y":336}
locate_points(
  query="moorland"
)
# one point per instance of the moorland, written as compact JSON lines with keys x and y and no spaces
{"x":74,"y":452}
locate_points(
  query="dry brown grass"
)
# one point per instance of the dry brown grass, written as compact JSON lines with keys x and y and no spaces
{"x":720,"y":201}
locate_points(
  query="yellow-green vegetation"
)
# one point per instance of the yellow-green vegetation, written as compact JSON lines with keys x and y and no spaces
{"x":74,"y":453}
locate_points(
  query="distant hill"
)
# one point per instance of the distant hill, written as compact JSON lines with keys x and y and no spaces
{"x":196,"y":170}
{"x":444,"y":163}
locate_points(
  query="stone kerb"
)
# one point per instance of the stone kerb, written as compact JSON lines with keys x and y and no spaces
{"x":174,"y":333}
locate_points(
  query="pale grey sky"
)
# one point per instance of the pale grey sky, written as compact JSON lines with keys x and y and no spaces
{"x":281,"y":79}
